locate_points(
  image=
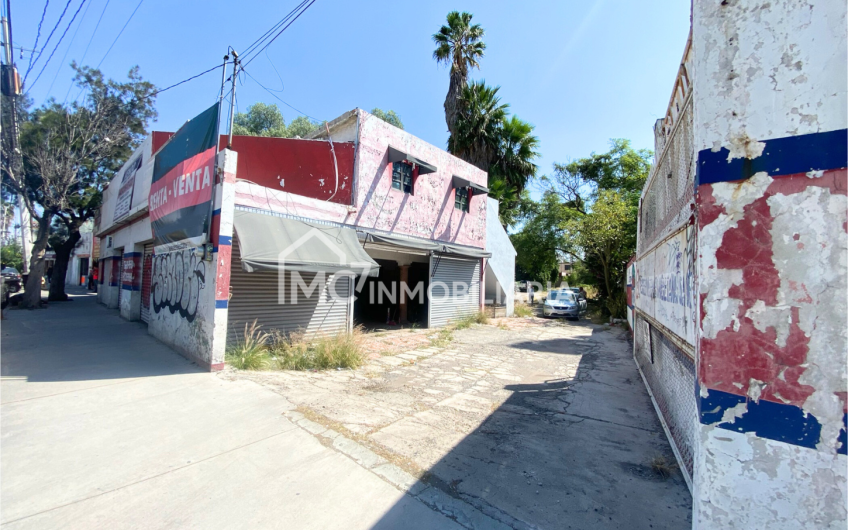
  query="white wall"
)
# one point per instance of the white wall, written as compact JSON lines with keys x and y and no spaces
{"x":772,"y":268}
{"x":502,"y":262}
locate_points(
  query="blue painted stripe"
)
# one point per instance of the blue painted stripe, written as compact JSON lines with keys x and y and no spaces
{"x":781,"y":156}
{"x":132,"y":254}
{"x":767,"y":419}
{"x":225,"y":240}
{"x":221,"y":304}
{"x":216,"y":212}
{"x":131,"y":287}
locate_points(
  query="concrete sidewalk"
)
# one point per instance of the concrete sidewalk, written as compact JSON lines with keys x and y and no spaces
{"x":104,"y":427}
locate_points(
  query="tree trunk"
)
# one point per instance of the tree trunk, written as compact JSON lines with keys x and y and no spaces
{"x":60,"y":268}
{"x":457,"y":83}
{"x":32,"y":292}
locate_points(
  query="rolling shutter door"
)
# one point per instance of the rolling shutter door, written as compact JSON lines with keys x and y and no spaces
{"x":255,"y":296}
{"x":447,"y":302}
{"x":146,"y":273}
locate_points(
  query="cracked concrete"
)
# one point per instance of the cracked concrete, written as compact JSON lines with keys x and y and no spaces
{"x":546,"y":425}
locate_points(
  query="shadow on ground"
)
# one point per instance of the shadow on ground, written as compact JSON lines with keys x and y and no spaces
{"x":569,"y":453}
{"x":81,"y":340}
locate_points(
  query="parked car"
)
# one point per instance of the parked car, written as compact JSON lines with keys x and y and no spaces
{"x":562,"y":303}
{"x":581,"y":297}
{"x":521,"y":287}
{"x":12,"y":279}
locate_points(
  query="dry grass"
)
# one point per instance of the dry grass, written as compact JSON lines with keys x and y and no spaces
{"x":663,"y":467}
{"x":251,"y":352}
{"x":467,"y":321}
{"x":522,"y":310}
{"x":442,"y":337}
{"x":293,"y":352}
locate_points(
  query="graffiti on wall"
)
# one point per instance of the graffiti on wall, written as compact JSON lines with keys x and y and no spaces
{"x":665,"y":284}
{"x":178,"y":279}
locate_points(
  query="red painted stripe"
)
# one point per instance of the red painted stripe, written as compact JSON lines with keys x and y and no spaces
{"x":188,"y":184}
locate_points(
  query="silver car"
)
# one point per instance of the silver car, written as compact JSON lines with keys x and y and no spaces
{"x":562,"y":303}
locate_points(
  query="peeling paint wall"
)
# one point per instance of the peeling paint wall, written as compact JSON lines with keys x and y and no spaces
{"x":427,"y":213}
{"x":770,"y":123}
{"x":189,"y":295}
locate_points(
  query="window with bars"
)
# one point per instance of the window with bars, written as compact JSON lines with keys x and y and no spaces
{"x":461,"y":199}
{"x":402,"y":176}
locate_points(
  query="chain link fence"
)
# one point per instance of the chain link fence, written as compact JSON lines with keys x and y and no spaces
{"x":671,"y":189}
{"x":670,"y":376}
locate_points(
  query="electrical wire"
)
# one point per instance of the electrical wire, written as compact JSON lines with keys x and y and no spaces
{"x":280,"y":99}
{"x":120,"y":33}
{"x":82,"y":61}
{"x":37,"y":36}
{"x":265,"y":35}
{"x":302,"y":11}
{"x":185,"y":81}
{"x":33,"y":63}
{"x":56,"y":47}
{"x":70,"y":44}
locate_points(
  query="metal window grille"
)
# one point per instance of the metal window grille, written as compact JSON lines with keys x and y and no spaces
{"x":461,"y":200}
{"x":670,"y":376}
{"x":670,"y":190}
{"x":402,"y":176}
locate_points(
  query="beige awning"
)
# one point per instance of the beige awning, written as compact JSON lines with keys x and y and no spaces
{"x":268,"y":242}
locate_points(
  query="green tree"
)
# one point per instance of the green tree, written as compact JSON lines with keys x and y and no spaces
{"x":479,"y":125}
{"x":458,"y":43}
{"x":301,"y":127}
{"x":589,"y":212}
{"x":10,"y":254}
{"x":260,"y":119}
{"x":390,"y":117}
{"x":67,"y":156}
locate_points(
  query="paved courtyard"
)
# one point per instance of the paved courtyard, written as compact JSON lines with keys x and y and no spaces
{"x":525,"y":423}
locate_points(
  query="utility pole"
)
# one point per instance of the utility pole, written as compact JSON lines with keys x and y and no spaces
{"x":233,"y":97}
{"x":11,"y":90}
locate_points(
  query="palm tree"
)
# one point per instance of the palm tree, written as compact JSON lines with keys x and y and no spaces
{"x":458,"y":44}
{"x":516,"y":151}
{"x":479,"y":120}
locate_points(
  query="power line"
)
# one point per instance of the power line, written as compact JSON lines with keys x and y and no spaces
{"x":186,"y":80}
{"x":278,"y":97}
{"x":265,"y":35}
{"x":68,"y":93}
{"x":120,"y":33}
{"x":280,"y":32}
{"x":68,"y":49}
{"x":57,"y":44}
{"x":29,"y":68}
{"x":95,"y":31}
{"x":37,"y":36}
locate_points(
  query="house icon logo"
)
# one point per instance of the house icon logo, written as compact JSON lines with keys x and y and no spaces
{"x":298,"y":281}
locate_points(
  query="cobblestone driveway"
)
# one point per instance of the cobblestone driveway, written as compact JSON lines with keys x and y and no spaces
{"x":544,"y":424}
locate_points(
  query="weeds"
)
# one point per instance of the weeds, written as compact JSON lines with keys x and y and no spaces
{"x":522,"y":310}
{"x":663,"y":466}
{"x":442,"y":338}
{"x":258,"y":350}
{"x":468,"y":320}
{"x":292,"y":352}
{"x":251,"y":352}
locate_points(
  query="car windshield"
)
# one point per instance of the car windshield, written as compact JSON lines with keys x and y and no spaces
{"x":9,"y":270}
{"x":563,"y":296}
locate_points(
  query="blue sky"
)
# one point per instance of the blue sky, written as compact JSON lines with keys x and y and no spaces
{"x":581,"y":72}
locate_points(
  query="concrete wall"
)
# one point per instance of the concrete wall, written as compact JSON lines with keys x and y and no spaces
{"x":190,"y":294}
{"x":770,"y":137}
{"x":502,"y":262}
{"x":428,"y":213}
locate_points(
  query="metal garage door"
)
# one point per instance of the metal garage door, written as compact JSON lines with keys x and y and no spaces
{"x":448,"y":301}
{"x":255,"y":296}
{"x":146,"y":273}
